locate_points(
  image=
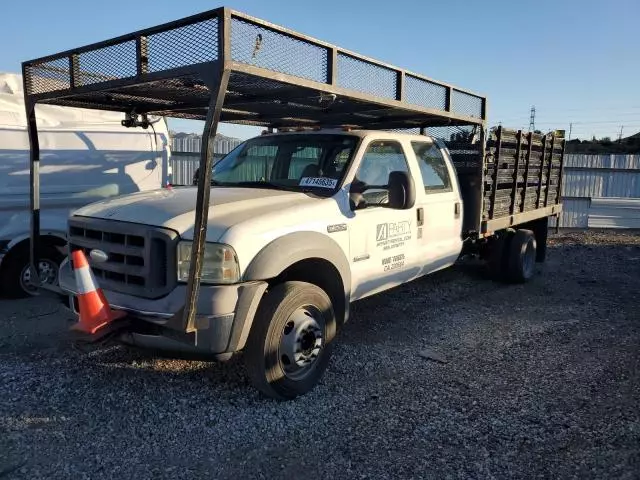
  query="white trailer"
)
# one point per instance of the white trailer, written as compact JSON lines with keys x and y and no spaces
{"x":89,"y":156}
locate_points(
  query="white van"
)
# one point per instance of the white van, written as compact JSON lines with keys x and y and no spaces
{"x":86,"y":156}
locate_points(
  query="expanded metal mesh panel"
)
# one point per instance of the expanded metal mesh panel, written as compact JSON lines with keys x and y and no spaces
{"x":115,"y":76}
{"x":424,"y":93}
{"x":366,"y":77}
{"x":409,"y":131}
{"x":263,"y":47}
{"x":158,"y":97}
{"x":465,"y":104}
{"x":176,"y":91}
{"x":183,"y":46}
{"x":242,"y":83}
{"x":187,"y":115}
{"x":466,"y":152}
{"x":48,"y":76}
{"x":108,"y":63}
{"x":464,"y":147}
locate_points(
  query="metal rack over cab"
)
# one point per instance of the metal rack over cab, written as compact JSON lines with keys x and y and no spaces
{"x":226,"y":66}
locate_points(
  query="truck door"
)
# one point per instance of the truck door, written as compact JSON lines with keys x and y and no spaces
{"x":439,"y":208}
{"x":382,"y":239}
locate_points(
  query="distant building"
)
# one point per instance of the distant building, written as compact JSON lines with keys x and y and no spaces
{"x":192,"y":142}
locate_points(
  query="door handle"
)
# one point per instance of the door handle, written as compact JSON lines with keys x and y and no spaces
{"x":420,"y":213}
{"x":456,"y":210}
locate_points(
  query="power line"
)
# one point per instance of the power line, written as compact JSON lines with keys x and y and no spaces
{"x":633,"y":121}
{"x":582,"y":109}
{"x":590,"y":118}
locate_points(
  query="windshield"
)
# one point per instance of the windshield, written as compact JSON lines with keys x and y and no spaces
{"x":291,"y":162}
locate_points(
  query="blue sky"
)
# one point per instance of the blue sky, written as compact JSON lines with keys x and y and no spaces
{"x":576,"y":61}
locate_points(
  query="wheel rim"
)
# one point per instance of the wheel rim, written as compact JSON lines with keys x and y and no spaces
{"x":47,"y":271}
{"x":528,"y":260}
{"x":301,"y":342}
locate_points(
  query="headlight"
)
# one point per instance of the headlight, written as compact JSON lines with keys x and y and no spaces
{"x":220,"y":263}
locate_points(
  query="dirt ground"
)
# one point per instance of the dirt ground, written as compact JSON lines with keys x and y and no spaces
{"x":531,"y":381}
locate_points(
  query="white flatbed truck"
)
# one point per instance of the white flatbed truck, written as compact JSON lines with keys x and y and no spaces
{"x":367,"y":177}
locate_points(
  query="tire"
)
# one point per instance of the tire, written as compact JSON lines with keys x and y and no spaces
{"x":522,"y":257}
{"x":498,"y":258}
{"x":14,"y":265}
{"x":541,"y":232}
{"x":285,"y":335}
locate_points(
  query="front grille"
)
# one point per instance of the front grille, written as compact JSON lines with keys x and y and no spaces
{"x":141,"y":259}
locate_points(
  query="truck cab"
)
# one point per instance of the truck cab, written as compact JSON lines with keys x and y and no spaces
{"x":352,"y":212}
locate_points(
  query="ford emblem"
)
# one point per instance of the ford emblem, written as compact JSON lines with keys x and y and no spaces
{"x":98,"y":256}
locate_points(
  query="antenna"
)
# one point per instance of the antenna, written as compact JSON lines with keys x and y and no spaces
{"x":620,"y":135}
{"x":532,"y":119}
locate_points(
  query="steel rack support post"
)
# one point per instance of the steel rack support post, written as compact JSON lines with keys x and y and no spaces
{"x":34,"y":177}
{"x":202,"y":204}
{"x":482,"y":155}
{"x":541,"y":173}
{"x":516,"y":172}
{"x":549,"y":168}
{"x":523,"y":198}
{"x":494,"y":173}
{"x":218,"y":88}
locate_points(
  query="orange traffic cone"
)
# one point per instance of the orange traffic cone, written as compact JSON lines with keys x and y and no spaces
{"x":94,"y":308}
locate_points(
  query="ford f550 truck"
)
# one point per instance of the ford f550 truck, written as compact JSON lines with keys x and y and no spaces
{"x":367,"y":177}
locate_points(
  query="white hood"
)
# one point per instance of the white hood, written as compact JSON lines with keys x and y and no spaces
{"x":175,"y":208}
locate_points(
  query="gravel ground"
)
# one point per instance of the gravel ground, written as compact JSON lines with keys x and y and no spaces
{"x":535,"y":381}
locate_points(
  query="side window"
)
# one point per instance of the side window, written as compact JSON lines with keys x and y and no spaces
{"x":380,"y":159}
{"x":433,"y":167}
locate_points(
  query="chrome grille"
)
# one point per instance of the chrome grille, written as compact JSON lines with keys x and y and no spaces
{"x":141,"y":259}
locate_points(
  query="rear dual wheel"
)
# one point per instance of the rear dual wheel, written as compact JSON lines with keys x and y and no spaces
{"x":512,"y":256}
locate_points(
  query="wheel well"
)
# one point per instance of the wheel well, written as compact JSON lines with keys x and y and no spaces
{"x":45,"y":241}
{"x":321,"y":273}
{"x":22,"y":247}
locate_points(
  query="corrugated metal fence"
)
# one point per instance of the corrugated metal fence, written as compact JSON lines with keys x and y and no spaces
{"x":184,"y":166}
{"x":601,"y":191}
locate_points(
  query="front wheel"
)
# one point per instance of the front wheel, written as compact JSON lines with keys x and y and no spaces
{"x":290,"y":342}
{"x":16,"y":275}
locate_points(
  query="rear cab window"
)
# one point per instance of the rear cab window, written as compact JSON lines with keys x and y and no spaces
{"x":433,"y":167}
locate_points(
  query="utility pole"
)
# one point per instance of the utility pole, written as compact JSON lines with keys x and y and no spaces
{"x":620,"y":136}
{"x":532,"y":119}
{"x":570,"y":128}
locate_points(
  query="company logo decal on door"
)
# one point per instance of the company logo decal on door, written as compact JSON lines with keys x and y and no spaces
{"x":392,"y":234}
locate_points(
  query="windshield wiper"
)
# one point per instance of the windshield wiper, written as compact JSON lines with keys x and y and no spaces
{"x":254,"y":184}
{"x":270,"y":185}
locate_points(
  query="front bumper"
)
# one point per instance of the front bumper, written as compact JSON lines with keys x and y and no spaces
{"x":224,"y":316}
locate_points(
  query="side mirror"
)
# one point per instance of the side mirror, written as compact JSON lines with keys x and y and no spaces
{"x":357,"y":201}
{"x":402,"y":191}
